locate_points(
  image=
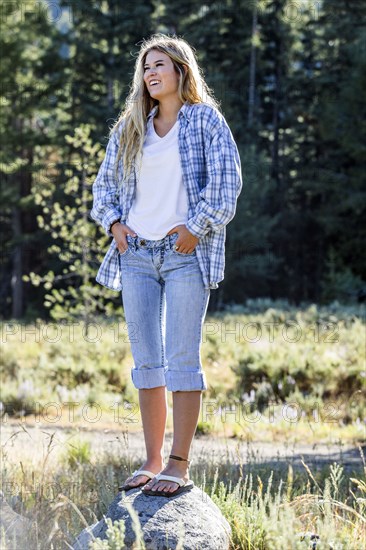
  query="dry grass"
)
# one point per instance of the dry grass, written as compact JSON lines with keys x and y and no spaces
{"x":70,"y":488}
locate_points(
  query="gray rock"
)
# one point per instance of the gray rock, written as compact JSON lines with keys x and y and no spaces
{"x":189,"y":521}
{"x":15,"y":529}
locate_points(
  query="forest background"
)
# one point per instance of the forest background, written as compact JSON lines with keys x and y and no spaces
{"x":284,"y":341}
{"x":291,"y":79}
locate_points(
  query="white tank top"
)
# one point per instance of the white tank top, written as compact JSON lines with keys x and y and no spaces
{"x":161,"y":200}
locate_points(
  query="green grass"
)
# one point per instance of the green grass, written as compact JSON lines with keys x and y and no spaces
{"x":302,"y":380}
{"x":269,"y":362}
{"x":268,"y":506}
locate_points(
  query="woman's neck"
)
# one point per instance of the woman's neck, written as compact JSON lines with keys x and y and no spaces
{"x":168,"y":111}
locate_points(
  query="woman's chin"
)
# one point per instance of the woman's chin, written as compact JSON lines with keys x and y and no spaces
{"x":155,"y":96}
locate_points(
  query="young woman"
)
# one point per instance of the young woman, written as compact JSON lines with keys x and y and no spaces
{"x":165,"y":191}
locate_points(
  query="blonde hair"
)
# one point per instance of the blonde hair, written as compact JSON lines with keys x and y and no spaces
{"x":192,"y":88}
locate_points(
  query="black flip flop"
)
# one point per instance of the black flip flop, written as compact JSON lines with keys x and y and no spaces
{"x":128,"y":487}
{"x":183,"y":487}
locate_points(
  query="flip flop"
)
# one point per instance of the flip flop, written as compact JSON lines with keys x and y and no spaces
{"x":184,"y":486}
{"x":136,"y":473}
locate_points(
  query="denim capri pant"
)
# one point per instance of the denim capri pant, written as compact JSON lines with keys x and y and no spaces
{"x":165,"y":303}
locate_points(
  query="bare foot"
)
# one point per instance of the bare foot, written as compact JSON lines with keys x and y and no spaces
{"x":154,"y":467}
{"x":174,"y":468}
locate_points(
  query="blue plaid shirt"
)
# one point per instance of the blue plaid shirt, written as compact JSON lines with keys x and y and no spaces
{"x":212,"y":175}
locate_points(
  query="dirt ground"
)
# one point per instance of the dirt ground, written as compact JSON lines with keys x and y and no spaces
{"x":31,"y":443}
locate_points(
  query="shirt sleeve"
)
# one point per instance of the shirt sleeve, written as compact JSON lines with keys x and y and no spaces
{"x":218,"y":198}
{"x":106,"y":207}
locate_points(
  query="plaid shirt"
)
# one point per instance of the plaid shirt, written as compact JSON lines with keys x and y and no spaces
{"x":212,"y":175}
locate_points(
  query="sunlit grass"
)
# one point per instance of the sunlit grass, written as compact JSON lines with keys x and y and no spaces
{"x":301,"y":381}
{"x":268,"y":507}
{"x":270,"y":368}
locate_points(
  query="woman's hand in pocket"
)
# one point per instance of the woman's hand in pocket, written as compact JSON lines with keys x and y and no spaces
{"x":186,"y":242}
{"x":120,"y":231}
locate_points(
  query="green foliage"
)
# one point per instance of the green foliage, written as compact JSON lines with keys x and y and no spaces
{"x":290,"y":79}
{"x":31,"y":75}
{"x":77,"y":241}
{"x":115,"y":537}
{"x":267,"y":507}
{"x":306,"y":366}
{"x":204,"y":428}
{"x":340,"y":282}
{"x":266,"y":518}
{"x":313,"y":357}
{"x":78,"y":453}
{"x":63,"y":366}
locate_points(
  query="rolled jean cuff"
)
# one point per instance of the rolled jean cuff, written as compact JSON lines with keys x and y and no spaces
{"x":147,"y":378}
{"x":185,"y":381}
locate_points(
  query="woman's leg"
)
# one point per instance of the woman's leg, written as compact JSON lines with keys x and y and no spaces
{"x":142,"y":296}
{"x":153,"y":407}
{"x":186,"y":408}
{"x":186,"y":306}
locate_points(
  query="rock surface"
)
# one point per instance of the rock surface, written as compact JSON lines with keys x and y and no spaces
{"x":189,"y":521}
{"x":15,"y":529}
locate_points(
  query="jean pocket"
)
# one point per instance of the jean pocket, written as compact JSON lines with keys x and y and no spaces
{"x":183,"y":253}
{"x":124,"y":253}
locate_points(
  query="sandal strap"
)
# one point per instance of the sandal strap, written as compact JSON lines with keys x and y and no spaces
{"x":179,"y":458}
{"x":163,"y":477}
{"x":146,"y":473}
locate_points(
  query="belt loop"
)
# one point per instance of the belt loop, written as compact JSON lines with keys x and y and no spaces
{"x":167,"y":242}
{"x":133,"y":241}
{"x":172,"y":239}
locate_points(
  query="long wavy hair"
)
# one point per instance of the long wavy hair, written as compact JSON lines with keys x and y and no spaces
{"x":192,"y":88}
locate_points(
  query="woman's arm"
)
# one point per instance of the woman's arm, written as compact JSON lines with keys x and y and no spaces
{"x":106,"y":208}
{"x":218,"y":198}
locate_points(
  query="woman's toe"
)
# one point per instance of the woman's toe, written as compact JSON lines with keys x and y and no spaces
{"x":148,"y":485}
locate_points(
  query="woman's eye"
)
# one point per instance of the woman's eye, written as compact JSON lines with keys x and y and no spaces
{"x":157,"y":65}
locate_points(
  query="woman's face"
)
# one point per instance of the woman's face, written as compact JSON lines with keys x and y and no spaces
{"x":160,"y":77}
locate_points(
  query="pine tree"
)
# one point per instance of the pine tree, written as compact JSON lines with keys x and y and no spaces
{"x":102,"y":39}
{"x":99,"y":61}
{"x":290,"y":79}
{"x":30,"y":71}
{"x":77,"y":243}
{"x":342,"y":207}
{"x":224,"y":37}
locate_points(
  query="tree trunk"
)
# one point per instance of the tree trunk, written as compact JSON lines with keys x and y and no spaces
{"x":85,"y":247}
{"x":17,"y":268}
{"x":252,"y":69}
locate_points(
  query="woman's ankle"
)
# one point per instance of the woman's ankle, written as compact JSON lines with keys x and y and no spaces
{"x":179,"y":458}
{"x":155,"y":461}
